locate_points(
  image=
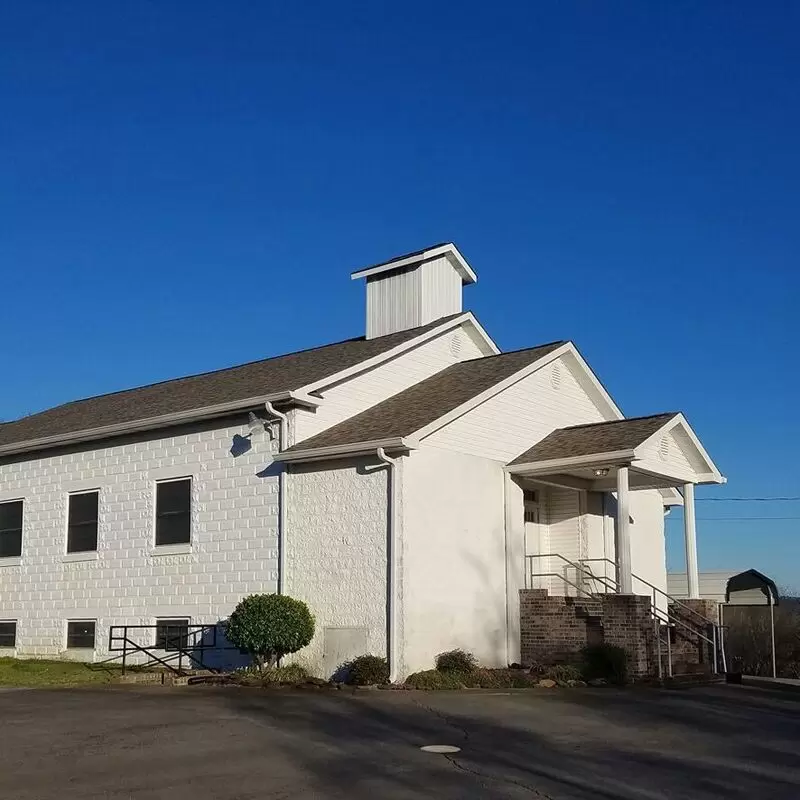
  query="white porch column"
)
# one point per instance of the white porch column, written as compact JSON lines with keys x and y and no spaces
{"x":624,"y":532}
{"x":690,"y":538}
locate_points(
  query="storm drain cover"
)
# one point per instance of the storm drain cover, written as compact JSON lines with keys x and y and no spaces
{"x":440,"y":748}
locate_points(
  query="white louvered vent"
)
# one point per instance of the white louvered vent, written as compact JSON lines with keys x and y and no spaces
{"x":555,"y":375}
{"x":663,"y":448}
{"x":456,"y":345}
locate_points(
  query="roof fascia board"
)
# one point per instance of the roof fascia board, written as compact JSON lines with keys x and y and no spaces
{"x":572,"y":462}
{"x":680,"y":419}
{"x":357,"y":448}
{"x":152,"y":423}
{"x":449,"y":250}
{"x":474,"y":402}
{"x":363,"y":366}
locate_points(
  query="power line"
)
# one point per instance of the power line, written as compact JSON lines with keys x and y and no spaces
{"x":745,"y":499}
{"x":733,"y":519}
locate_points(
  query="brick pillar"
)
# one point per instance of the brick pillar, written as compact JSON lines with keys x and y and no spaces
{"x":628,"y":623}
{"x":691,"y":653}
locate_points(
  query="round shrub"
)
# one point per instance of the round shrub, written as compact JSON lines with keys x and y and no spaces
{"x":269,"y":626}
{"x":368,"y":670}
{"x":456,"y":661}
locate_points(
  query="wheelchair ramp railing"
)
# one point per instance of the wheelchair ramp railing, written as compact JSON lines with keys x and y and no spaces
{"x":177,"y":648}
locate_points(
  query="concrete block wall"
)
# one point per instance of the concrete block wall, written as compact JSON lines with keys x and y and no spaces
{"x":233,"y":550}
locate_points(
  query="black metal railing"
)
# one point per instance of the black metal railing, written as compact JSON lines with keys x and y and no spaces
{"x":177,"y":648}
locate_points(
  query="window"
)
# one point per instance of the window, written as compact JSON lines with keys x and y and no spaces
{"x":82,"y":522}
{"x":173,"y":511}
{"x":11,"y":529}
{"x":8,"y":634}
{"x":81,"y":634}
{"x":172,"y":633}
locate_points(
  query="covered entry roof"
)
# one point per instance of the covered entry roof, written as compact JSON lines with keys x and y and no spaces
{"x":661,"y":450}
{"x":595,"y":438}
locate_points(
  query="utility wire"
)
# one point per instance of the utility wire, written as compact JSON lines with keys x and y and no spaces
{"x":733,"y":519}
{"x":744,"y":499}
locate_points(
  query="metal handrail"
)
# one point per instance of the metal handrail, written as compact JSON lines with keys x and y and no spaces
{"x":663,"y":617}
{"x":673,"y":619}
{"x":178,"y":652}
{"x":669,"y":597}
{"x":577,"y":566}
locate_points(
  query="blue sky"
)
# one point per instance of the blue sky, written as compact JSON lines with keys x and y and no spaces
{"x":186,"y":186}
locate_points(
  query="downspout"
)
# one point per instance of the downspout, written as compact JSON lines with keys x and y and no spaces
{"x":391,"y":566}
{"x":282,"y":445}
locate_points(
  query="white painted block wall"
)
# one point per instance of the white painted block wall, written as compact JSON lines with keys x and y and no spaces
{"x":453,"y":563}
{"x":234,"y":548}
{"x":336,"y":554}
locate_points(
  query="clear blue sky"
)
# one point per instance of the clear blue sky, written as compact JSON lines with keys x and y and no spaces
{"x":186,"y":186}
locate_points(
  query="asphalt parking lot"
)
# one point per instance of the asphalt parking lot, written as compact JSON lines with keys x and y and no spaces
{"x":228,"y":743}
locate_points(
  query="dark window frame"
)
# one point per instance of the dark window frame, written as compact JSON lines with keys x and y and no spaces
{"x":10,"y":533}
{"x":78,"y":528}
{"x":179,"y":519}
{"x":4,"y":623}
{"x":172,"y":633}
{"x":74,"y":637}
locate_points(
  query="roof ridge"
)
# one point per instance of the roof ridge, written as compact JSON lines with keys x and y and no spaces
{"x":514,"y":352}
{"x":616,"y":421}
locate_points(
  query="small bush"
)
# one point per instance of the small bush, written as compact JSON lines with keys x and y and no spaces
{"x":605,"y":661}
{"x":291,"y":673}
{"x":476,"y":679}
{"x":456,"y":661}
{"x":434,"y":679}
{"x":269,"y":626}
{"x":562,"y":673}
{"x":367,"y":670}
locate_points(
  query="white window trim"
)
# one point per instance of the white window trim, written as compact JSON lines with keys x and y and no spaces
{"x":178,"y":548}
{"x":69,"y":649}
{"x":10,"y":650}
{"x":81,"y":555}
{"x":15,"y":561}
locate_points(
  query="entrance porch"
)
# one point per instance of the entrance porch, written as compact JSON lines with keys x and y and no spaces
{"x":592,"y":500}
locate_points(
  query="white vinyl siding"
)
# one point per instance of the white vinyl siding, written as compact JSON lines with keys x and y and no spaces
{"x":515,"y":419}
{"x":410,"y":297}
{"x":675,"y":452}
{"x":360,"y":392}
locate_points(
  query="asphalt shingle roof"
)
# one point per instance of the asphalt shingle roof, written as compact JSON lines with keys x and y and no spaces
{"x":596,"y":437}
{"x":272,"y":375}
{"x":412,"y":409}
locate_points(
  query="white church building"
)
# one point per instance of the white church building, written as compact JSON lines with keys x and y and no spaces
{"x":406,"y":484}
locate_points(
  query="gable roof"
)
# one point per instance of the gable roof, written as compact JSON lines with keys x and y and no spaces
{"x":595,"y":438}
{"x":256,"y":379}
{"x":412,"y":409}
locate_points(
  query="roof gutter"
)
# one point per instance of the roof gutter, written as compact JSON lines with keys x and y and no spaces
{"x":359,"y":448}
{"x":162,"y":421}
{"x":591,"y":460}
{"x":391,"y":564}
